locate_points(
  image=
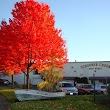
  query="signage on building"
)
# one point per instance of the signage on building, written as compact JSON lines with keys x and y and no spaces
{"x":95,"y":65}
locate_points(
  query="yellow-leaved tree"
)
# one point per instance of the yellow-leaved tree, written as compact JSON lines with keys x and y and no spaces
{"x":50,"y":77}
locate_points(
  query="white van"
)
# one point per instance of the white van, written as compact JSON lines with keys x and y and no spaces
{"x":67,"y":87}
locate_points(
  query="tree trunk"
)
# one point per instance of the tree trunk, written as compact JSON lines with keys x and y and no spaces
{"x":12,"y":78}
{"x":27,"y":77}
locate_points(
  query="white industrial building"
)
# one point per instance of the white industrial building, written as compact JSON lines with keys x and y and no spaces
{"x":100,"y":70}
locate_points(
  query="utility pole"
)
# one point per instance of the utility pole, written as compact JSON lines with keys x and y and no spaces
{"x":94,"y":83}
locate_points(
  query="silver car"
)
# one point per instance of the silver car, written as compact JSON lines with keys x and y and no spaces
{"x":67,"y":87}
{"x":102,"y":88}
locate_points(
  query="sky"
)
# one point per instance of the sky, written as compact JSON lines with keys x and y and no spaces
{"x":85,"y":25}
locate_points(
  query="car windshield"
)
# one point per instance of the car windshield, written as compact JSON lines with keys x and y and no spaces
{"x":67,"y":85}
{"x":88,"y":86}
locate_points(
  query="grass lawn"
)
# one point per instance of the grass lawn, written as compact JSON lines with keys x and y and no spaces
{"x":77,"y":102}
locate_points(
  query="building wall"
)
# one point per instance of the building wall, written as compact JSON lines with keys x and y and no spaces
{"x":101,"y":69}
{"x":21,"y":78}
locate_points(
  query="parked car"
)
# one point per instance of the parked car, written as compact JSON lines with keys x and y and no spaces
{"x":102,"y":88}
{"x":86,"y":89}
{"x":4,"y":82}
{"x":67,"y":87}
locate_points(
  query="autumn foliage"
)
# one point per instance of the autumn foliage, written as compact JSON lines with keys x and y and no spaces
{"x":30,"y":40}
{"x":51,"y":77}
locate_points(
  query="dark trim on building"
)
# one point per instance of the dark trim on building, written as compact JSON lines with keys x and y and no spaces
{"x":68,"y":78}
{"x":99,"y":78}
{"x":90,"y":78}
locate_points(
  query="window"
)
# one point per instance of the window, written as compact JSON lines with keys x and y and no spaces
{"x":67,"y":85}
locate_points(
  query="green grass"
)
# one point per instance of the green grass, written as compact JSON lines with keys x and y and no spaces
{"x":78,"y":102}
{"x":103,"y":99}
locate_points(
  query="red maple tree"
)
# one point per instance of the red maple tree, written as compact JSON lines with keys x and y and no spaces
{"x":31,"y":41}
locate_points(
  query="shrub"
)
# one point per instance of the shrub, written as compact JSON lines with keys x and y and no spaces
{"x":46,"y":86}
{"x":81,"y":80}
{"x":20,"y":85}
{"x":24,"y":86}
{"x":51,"y":77}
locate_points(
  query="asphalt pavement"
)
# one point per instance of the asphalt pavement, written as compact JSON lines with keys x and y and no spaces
{"x":4,"y":103}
